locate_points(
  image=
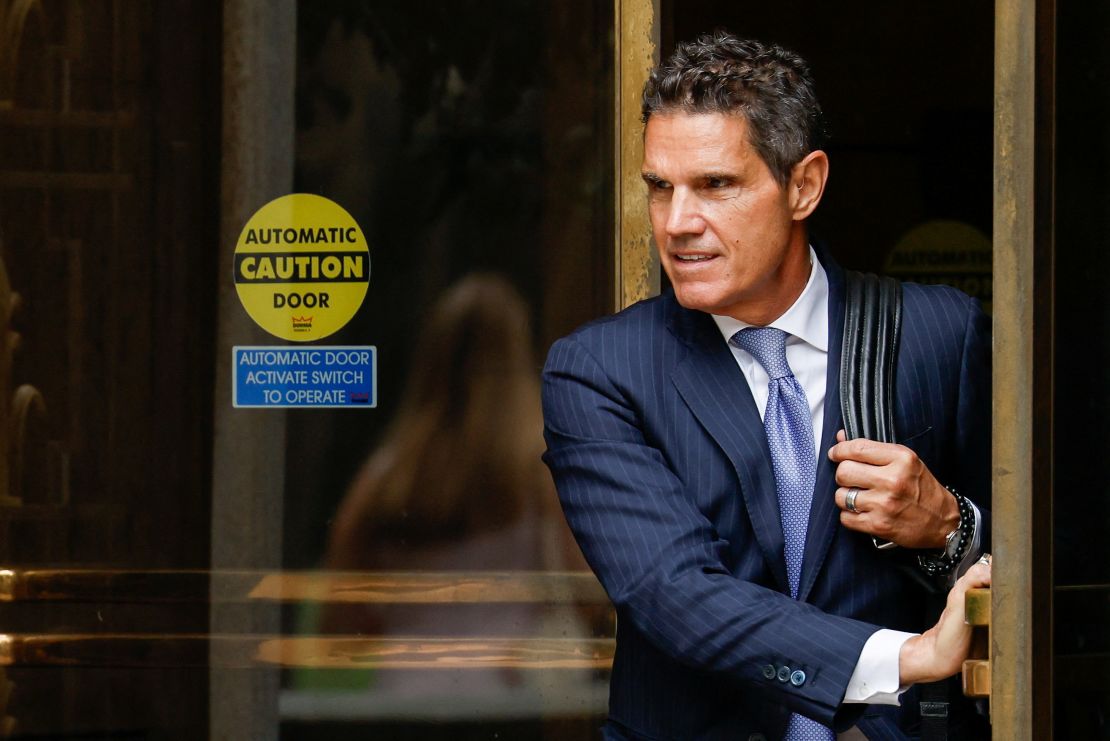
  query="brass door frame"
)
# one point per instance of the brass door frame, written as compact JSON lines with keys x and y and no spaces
{"x":1012,"y":478}
{"x":635,"y":51}
{"x":1021,"y":634}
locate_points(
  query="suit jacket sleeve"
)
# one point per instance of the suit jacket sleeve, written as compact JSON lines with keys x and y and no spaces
{"x":973,"y":418}
{"x":660,"y":559}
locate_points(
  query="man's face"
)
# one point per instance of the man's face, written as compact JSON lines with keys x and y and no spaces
{"x":727,"y":232}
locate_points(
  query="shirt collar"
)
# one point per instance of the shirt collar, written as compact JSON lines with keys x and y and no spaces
{"x":807,"y":318}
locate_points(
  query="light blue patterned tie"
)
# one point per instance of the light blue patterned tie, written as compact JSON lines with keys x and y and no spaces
{"x":789,"y":428}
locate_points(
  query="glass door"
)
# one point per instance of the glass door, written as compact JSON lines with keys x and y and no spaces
{"x":382,"y":557}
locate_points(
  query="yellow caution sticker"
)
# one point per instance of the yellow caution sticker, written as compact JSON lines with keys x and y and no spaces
{"x":301,"y":267}
{"x":949,"y":252}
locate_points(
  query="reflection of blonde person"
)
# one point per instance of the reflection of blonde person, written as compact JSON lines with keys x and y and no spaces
{"x":459,"y":473}
{"x":457,"y":485}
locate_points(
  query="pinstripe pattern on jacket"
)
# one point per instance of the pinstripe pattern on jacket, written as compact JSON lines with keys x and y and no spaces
{"x":663,"y":471}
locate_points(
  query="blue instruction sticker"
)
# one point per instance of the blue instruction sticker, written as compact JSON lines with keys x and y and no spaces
{"x":316,"y":377}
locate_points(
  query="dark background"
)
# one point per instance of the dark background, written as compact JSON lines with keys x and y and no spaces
{"x":1081,"y":403}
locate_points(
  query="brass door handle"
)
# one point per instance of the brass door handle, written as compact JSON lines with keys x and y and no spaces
{"x":977,"y":668}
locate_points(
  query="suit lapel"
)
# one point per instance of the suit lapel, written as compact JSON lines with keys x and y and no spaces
{"x":714,"y":389}
{"x":824,"y":515}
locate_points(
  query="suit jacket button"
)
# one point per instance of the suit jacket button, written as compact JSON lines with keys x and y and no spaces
{"x":798,"y":678}
{"x":784,"y":674}
{"x":768,"y":671}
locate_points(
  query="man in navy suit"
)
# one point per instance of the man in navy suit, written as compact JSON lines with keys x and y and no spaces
{"x":656,"y":436}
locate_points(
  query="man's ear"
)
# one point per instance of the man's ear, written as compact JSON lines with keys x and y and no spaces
{"x":807,"y":184}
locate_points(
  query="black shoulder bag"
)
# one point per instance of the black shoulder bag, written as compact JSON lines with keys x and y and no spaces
{"x":872,"y":327}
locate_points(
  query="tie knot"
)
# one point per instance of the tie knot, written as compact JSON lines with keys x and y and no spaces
{"x":768,"y":346}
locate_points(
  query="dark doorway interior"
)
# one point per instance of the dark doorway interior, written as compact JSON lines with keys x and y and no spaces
{"x":1081,"y":508}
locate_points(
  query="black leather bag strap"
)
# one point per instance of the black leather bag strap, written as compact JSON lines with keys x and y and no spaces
{"x":872,"y":328}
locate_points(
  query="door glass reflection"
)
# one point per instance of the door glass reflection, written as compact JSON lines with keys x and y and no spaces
{"x":472,"y":145}
{"x":423,"y":582}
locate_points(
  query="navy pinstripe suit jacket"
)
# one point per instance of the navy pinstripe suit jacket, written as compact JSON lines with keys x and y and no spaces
{"x":662,"y":467}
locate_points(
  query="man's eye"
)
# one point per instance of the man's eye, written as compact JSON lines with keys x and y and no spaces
{"x":716,"y":182}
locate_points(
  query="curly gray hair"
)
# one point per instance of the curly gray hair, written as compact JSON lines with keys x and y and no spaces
{"x":770,"y":86}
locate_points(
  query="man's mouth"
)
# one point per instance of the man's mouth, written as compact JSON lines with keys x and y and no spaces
{"x":693,"y":258}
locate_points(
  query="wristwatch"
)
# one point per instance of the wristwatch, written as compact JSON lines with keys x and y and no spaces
{"x":952,"y":541}
{"x":956,"y":542}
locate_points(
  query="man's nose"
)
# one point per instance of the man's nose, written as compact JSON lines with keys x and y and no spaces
{"x":684,"y":216}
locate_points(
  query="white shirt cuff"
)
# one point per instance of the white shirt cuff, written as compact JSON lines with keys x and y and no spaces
{"x":875,"y":679}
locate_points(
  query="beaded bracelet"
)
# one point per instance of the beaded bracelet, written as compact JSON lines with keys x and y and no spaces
{"x":940,"y":564}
